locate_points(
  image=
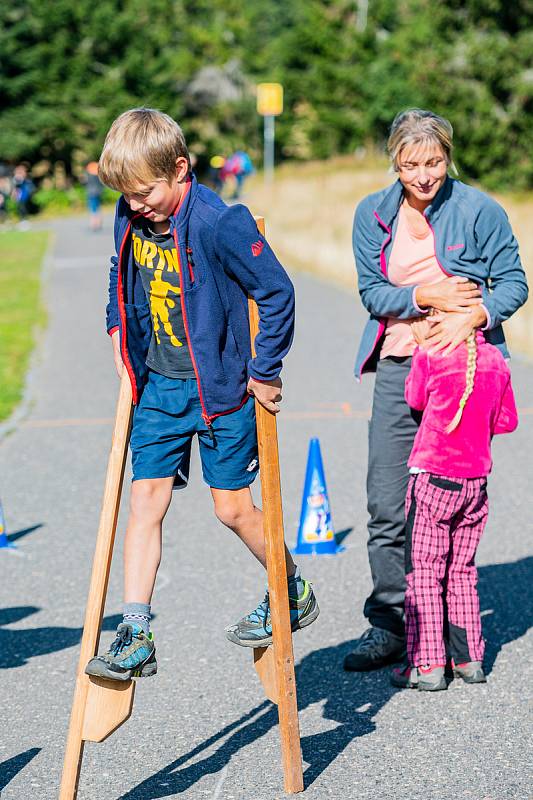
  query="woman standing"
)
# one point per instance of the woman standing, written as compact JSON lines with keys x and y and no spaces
{"x":427,"y":241}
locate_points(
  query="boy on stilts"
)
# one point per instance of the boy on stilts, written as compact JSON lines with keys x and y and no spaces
{"x":178,"y":319}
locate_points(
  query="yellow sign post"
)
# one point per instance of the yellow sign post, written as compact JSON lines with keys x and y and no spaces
{"x":269,"y":106}
{"x":269,"y":99}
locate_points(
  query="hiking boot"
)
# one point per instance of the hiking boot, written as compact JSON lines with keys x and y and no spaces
{"x":405,"y":677}
{"x":255,"y":630}
{"x":431,"y":679}
{"x":470,"y":672}
{"x":131,"y":655}
{"x":376,"y":648}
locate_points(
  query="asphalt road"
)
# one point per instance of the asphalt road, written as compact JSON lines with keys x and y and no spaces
{"x":202,"y":728}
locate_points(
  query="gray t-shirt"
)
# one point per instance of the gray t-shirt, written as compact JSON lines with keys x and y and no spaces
{"x":156,"y":258}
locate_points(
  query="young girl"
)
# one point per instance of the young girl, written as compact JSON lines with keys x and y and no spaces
{"x":466,"y":397}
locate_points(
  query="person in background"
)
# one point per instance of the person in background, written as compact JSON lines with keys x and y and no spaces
{"x":22,"y":189}
{"x":239,"y":166}
{"x":216,"y":165}
{"x":428,"y":240}
{"x":5,"y":191}
{"x":94,"y":190}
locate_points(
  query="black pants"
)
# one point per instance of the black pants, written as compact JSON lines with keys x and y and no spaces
{"x":392,"y":430}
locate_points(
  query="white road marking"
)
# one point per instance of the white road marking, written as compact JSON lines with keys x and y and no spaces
{"x":220,"y":784}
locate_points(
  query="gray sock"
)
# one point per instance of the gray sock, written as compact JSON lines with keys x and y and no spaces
{"x":296,"y":585}
{"x":139,"y":614}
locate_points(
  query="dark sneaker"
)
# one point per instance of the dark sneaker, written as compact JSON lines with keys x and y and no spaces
{"x":405,"y":677}
{"x":431,"y":679}
{"x":376,"y":648}
{"x":255,"y":630}
{"x":470,"y":672}
{"x":131,"y":655}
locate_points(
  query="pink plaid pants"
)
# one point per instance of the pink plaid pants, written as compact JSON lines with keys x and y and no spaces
{"x":445,"y":521}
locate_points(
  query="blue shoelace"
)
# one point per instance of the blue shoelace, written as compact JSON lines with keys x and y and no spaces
{"x":123,"y":639}
{"x":260,"y":614}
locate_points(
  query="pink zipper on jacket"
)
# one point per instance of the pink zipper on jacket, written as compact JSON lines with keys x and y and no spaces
{"x":383,"y":264}
{"x":382,"y":258}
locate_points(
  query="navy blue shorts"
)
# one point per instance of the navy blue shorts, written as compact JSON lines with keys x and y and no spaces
{"x":168,"y":416}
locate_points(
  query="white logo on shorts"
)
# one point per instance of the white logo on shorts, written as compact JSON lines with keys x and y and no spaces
{"x":252,"y":465}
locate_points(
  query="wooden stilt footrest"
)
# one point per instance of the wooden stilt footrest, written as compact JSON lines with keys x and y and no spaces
{"x":108,"y":705}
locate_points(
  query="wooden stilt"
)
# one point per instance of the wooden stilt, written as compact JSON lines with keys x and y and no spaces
{"x":275,"y":665}
{"x":99,"y":706}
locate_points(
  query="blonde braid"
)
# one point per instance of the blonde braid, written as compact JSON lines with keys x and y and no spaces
{"x":470,"y":373}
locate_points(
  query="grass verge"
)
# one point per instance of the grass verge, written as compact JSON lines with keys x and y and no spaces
{"x":22,"y":313}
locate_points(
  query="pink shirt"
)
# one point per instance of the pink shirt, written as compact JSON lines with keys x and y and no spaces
{"x":412,"y":262}
{"x":435,"y":385}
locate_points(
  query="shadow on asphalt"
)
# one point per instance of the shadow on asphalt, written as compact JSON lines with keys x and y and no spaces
{"x":11,"y":767}
{"x":12,"y":537}
{"x":340,"y":536}
{"x":349,"y":699}
{"x":506,"y":604}
{"x":343,"y":694}
{"x":18,"y":646}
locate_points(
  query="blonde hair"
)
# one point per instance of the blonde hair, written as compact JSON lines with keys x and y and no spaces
{"x":416,"y":126}
{"x":471,"y":362}
{"x":141,"y":146}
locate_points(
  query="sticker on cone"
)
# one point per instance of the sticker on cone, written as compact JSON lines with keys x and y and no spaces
{"x":315,"y":533}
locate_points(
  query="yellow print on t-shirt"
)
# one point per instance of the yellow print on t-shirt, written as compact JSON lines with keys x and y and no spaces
{"x":145,"y":252}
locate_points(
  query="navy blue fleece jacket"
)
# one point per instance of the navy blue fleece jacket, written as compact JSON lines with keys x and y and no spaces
{"x":223,"y":259}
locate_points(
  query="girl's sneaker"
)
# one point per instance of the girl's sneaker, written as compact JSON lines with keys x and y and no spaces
{"x":255,"y":630}
{"x":404,"y":677}
{"x":470,"y":672}
{"x":131,"y":655}
{"x":431,"y":679}
{"x":425,"y":679}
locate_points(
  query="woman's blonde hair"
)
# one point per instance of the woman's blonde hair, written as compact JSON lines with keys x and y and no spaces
{"x":471,"y":362}
{"x":416,"y":126}
{"x":141,"y":146}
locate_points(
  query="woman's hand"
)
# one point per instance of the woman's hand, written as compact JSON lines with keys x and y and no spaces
{"x":451,"y":294}
{"x":451,"y":329}
{"x":420,"y":328}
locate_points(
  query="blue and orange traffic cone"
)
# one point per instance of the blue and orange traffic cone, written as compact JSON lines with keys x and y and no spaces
{"x":315,"y":533}
{"x":4,"y":541}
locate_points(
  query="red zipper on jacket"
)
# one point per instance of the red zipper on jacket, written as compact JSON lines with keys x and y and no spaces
{"x":231,"y":410}
{"x":122,"y":312}
{"x":205,"y":416}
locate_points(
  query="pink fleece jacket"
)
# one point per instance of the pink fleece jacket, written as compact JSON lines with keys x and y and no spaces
{"x":435,"y":385}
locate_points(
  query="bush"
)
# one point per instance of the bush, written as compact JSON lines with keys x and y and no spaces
{"x":74,"y":198}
